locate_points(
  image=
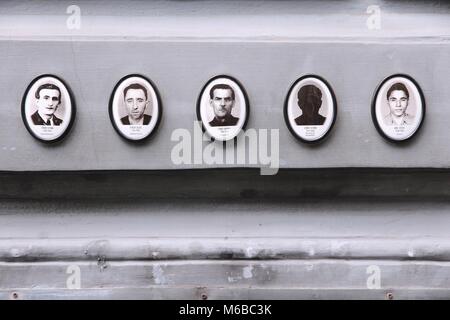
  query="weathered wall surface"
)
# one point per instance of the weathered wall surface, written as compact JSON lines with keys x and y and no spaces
{"x":156,"y":231}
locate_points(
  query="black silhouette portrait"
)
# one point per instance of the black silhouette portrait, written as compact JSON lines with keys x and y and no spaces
{"x":309,"y":101}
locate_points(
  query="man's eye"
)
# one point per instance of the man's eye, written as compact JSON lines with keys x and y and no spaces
{"x":227,"y":99}
{"x":392,"y":99}
{"x":129,"y":100}
{"x":140,"y":100}
{"x":55,"y":99}
{"x":403,"y":99}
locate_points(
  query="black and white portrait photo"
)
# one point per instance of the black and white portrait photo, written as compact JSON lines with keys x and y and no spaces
{"x":398,"y":108}
{"x":135,"y":108}
{"x":48,"y":108}
{"x":310,"y":109}
{"x":223,"y":108}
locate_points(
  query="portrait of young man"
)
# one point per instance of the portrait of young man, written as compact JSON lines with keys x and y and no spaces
{"x":136,"y":102}
{"x":222,"y":99}
{"x":398,"y":100}
{"x":48,"y":99}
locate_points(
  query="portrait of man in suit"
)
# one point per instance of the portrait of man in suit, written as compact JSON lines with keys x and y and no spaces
{"x":398,"y":99}
{"x":309,"y":100}
{"x":48,"y":99}
{"x":136,"y":102}
{"x":222,"y":100}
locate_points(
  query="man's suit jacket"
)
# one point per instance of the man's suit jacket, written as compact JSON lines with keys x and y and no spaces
{"x":38,"y":121}
{"x":229,"y":121}
{"x":126,"y":122}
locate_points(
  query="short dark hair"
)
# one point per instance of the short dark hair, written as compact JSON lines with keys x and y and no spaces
{"x":308,"y":90}
{"x":397,"y":86}
{"x":47,"y":86}
{"x":135,"y":86}
{"x":221,"y":86}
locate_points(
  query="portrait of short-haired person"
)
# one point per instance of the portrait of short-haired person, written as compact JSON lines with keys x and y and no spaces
{"x":222,"y":101}
{"x":398,"y":99}
{"x":136,"y":102}
{"x":48,"y":99}
{"x":309,"y":100}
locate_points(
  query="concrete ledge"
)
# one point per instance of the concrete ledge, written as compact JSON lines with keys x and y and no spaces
{"x":287,"y":279}
{"x":19,"y":250}
{"x":243,"y":19}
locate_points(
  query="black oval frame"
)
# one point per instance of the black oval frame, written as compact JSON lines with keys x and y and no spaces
{"x":158,"y":98}
{"x":373,"y":111}
{"x":286,"y":102}
{"x":241,"y":87}
{"x":72,"y":106}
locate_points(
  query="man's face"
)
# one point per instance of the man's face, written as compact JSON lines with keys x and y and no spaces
{"x":222,"y":102}
{"x":136,"y":103}
{"x":398,"y":102}
{"x":48,"y":101}
{"x":310,"y":105}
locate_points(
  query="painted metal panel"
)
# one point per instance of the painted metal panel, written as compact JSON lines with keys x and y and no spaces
{"x":138,"y":227}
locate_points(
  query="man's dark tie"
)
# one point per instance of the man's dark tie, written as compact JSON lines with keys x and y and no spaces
{"x":48,"y":122}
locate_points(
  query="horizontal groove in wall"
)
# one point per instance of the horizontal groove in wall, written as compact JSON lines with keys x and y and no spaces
{"x":295,"y":184}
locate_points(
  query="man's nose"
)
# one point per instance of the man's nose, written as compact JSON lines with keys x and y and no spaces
{"x":222,"y":102}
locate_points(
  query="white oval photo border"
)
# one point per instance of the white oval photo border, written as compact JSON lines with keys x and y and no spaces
{"x":49,"y":133}
{"x":132,"y":132}
{"x":409,"y":130}
{"x":218,"y":132}
{"x":321,"y":130}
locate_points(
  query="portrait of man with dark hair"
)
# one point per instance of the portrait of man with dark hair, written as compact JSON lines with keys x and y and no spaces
{"x":222,"y":101}
{"x":136,"y":102}
{"x":309,"y":100}
{"x":48,"y":99}
{"x":398,"y":100}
